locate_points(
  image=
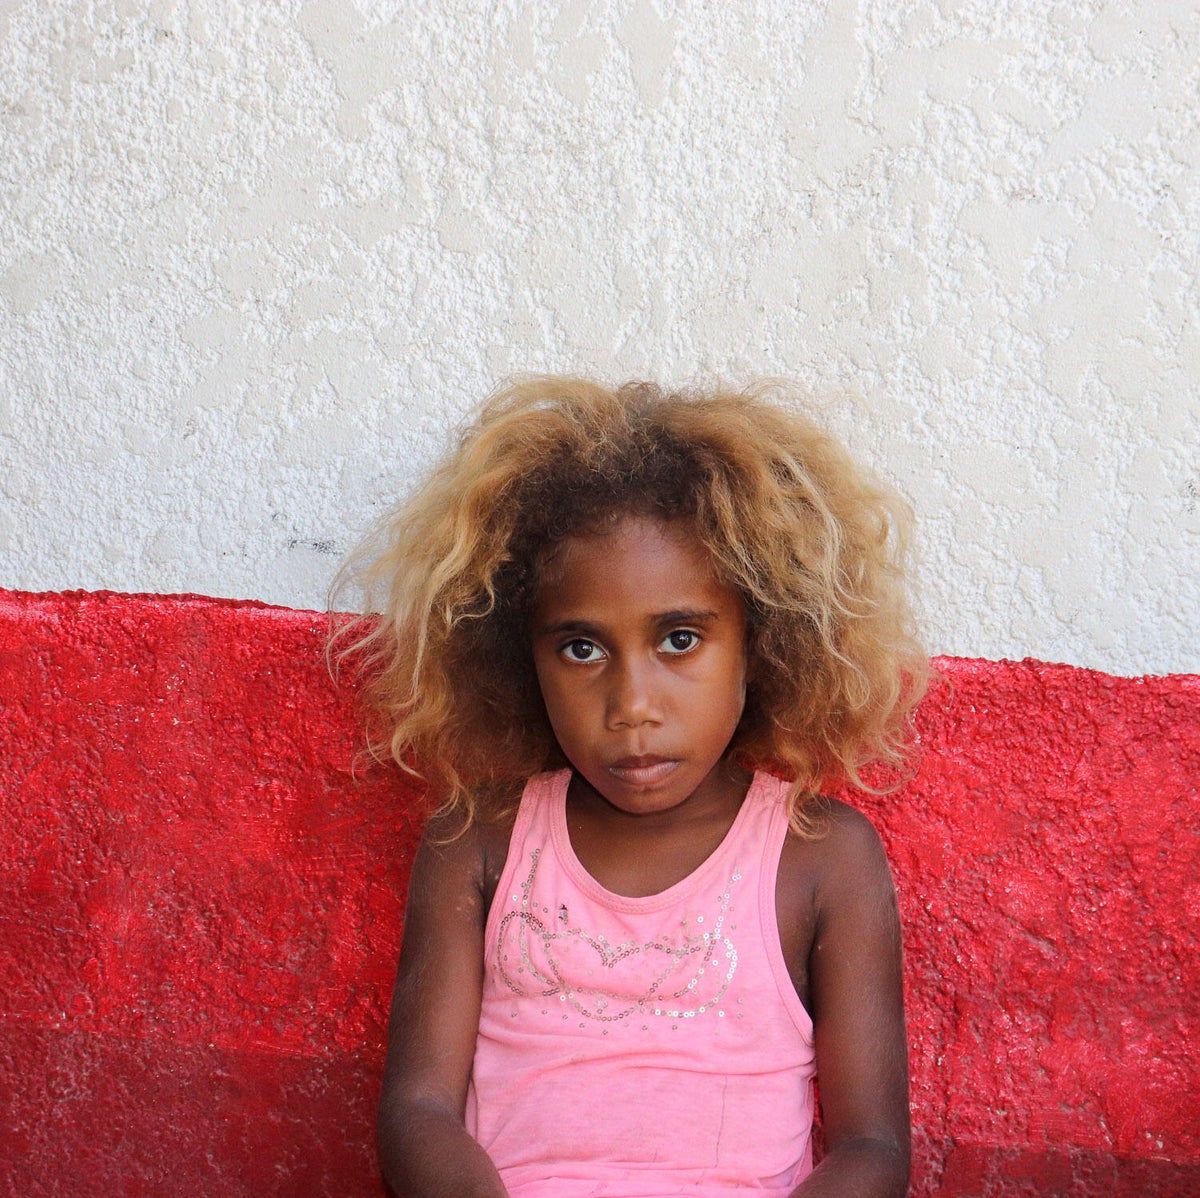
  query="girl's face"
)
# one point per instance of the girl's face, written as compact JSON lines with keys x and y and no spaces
{"x":640,"y":653}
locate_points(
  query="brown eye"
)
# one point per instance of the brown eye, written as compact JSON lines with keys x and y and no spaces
{"x":582,"y":650}
{"x":680,"y":641}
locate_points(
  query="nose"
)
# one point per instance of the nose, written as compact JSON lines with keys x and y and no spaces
{"x":632,"y":696}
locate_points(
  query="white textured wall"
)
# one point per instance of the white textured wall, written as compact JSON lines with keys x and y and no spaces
{"x":256,"y":257}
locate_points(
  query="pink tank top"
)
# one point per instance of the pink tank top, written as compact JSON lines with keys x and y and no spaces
{"x":641,"y":1047}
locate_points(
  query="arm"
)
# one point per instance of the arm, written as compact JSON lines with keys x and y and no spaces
{"x":424,"y":1147}
{"x":858,"y":1017}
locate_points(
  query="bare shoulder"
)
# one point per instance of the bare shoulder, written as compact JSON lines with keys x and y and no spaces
{"x":851,"y":837}
{"x":473,"y":856}
{"x":847,"y":845}
{"x":441,"y":952}
{"x":855,"y":868}
{"x":831,"y":884}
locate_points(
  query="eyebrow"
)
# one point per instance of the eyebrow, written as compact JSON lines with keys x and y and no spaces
{"x":688,"y":616}
{"x":675,"y":616}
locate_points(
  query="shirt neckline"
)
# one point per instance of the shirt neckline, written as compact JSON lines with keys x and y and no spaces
{"x":575,"y":870}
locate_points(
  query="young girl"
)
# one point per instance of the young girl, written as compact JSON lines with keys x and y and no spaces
{"x":627,"y":637}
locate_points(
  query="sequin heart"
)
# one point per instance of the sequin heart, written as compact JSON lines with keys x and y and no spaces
{"x":678,"y":977}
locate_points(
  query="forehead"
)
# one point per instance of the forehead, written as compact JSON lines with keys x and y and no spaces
{"x":640,"y":562}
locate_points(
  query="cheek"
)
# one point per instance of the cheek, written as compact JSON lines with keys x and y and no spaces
{"x":737,"y":672}
{"x":738,"y":684}
{"x":544,"y":661}
{"x":545,"y":685}
{"x":556,"y":692}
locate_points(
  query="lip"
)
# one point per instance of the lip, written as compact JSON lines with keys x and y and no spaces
{"x":643,"y":771}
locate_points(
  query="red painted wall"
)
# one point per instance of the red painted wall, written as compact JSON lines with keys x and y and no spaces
{"x":200,"y":907}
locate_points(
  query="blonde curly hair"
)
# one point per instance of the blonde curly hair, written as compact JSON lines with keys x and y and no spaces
{"x":813,"y":545}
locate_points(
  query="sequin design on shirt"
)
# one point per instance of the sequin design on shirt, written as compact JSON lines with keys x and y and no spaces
{"x":543,"y":955}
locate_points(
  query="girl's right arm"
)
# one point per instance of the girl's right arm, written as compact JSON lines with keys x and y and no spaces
{"x":424,"y":1147}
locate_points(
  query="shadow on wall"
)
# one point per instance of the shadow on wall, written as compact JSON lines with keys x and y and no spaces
{"x":201,"y":904}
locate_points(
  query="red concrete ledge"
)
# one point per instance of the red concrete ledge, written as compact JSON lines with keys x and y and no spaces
{"x":201,"y":899}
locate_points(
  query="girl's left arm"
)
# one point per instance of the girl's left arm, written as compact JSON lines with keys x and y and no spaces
{"x":857,"y":1004}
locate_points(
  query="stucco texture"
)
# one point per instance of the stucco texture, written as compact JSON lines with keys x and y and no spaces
{"x":257,"y":259}
{"x":201,"y":902}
